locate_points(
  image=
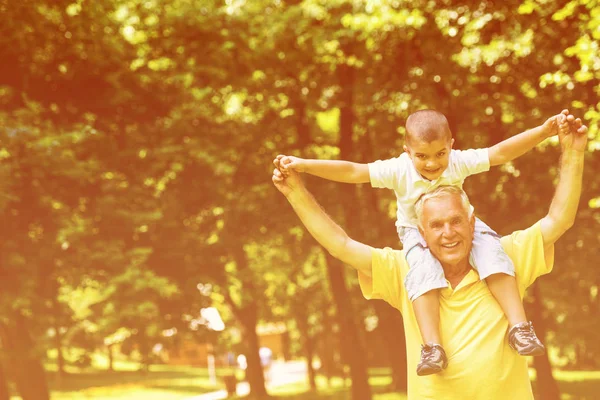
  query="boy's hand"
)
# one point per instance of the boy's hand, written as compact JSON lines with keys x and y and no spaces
{"x":287,"y":163}
{"x":551,"y":126}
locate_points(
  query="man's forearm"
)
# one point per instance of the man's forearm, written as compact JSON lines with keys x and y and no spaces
{"x":329,"y":234}
{"x":568,"y":191}
{"x":337,"y":170}
{"x":516,"y":146}
{"x":325,"y":231}
{"x":565,"y":202}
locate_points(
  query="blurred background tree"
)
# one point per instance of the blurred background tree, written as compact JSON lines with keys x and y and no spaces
{"x":136,"y":143}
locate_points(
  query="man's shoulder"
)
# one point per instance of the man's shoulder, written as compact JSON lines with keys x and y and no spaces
{"x":522,"y":238}
{"x":388,"y":257}
{"x":530,"y":256}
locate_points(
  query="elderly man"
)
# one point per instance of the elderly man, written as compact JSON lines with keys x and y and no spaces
{"x":482,"y":366}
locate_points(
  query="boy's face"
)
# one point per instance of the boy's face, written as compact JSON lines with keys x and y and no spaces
{"x":430,"y":158}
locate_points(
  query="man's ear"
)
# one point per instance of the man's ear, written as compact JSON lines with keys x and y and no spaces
{"x":452,"y":143}
{"x":406,"y":149}
{"x":421,"y":231}
{"x":472,"y":223}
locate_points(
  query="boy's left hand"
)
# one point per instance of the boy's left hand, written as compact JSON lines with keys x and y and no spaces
{"x":551,"y":126}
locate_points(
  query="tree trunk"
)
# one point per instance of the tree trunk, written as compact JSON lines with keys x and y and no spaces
{"x":390,"y":319}
{"x":247,"y":314}
{"x":60,"y":360}
{"x":546,"y":386}
{"x":111,"y":360}
{"x":352,"y":349}
{"x":328,"y":343}
{"x":254,"y":371}
{"x":308,"y":347}
{"x":30,"y":377}
{"x":391,"y":330}
{"x":310,"y":352}
{"x":3,"y":385}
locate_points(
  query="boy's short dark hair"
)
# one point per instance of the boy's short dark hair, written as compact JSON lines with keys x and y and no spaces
{"x":427,"y":126}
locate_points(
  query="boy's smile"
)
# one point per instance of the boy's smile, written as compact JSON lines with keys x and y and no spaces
{"x":430,"y":158}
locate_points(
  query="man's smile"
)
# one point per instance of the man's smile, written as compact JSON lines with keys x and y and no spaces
{"x":450,"y":245}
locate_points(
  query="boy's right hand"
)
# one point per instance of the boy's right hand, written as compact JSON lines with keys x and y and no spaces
{"x":286,"y":163}
{"x":551,"y":127}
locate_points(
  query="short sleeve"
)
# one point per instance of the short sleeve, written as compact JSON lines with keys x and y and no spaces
{"x":530,"y":257}
{"x":386,"y":281}
{"x":386,"y":173}
{"x":471,"y":161}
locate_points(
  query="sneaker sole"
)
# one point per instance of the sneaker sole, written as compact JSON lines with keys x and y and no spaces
{"x":535,"y":352}
{"x":425,"y":372}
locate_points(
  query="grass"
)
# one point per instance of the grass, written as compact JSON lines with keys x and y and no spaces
{"x":164,"y":382}
{"x":161,"y":382}
{"x":337,"y":389}
{"x":574,"y":385}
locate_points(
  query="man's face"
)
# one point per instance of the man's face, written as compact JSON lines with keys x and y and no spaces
{"x":429,"y":158}
{"x":448,"y":229}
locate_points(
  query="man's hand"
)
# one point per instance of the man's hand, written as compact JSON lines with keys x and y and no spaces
{"x":286,"y":184}
{"x":288,"y":163}
{"x":572,"y":134}
{"x":552,"y":125}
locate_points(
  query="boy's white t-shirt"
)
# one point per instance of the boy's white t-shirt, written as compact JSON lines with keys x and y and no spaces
{"x":400,"y":175}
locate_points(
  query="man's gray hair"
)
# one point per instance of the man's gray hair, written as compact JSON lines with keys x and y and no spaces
{"x":439,"y":192}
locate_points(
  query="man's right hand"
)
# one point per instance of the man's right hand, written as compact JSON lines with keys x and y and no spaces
{"x":572,"y":134}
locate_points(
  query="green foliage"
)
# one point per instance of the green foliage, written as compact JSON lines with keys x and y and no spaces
{"x":136,"y":141}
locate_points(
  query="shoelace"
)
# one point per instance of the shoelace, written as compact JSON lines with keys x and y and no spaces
{"x":427,"y":352}
{"x":526,"y":332}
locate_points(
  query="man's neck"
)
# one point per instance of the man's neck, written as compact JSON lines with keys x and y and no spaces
{"x":456,"y":273}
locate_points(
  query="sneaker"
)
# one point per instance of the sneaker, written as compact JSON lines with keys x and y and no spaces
{"x":523,"y":340}
{"x":433,"y":359}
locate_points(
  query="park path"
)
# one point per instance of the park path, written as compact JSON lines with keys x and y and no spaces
{"x":282,"y":373}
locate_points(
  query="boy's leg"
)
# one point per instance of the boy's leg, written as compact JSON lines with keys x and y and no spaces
{"x":494,"y":265}
{"x":427,"y":313}
{"x":425,"y":276}
{"x":505,"y":291}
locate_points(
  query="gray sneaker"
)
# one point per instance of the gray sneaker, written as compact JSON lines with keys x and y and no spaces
{"x":523,"y":340}
{"x":433,"y":359}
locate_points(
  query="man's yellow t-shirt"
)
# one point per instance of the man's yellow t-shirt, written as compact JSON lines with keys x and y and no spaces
{"x":474,"y":330}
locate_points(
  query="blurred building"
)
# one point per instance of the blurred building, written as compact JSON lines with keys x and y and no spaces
{"x":189,"y":352}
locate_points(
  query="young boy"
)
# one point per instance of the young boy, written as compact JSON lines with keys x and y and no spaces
{"x":428,"y":161}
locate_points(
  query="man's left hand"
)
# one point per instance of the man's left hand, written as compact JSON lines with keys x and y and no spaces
{"x":286,"y":184}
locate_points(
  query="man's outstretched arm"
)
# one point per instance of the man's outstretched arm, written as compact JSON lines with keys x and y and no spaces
{"x":329,"y":234}
{"x":561,"y":215}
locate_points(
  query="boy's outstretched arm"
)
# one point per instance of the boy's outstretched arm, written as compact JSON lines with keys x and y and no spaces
{"x":334,"y":170}
{"x":515,"y":146}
